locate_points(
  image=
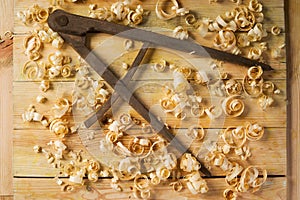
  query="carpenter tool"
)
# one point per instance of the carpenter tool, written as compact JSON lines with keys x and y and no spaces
{"x":74,"y":29}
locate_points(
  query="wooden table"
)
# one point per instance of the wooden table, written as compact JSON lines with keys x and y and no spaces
{"x":33,"y":176}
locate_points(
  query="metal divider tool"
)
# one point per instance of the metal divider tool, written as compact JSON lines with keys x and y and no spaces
{"x":74,"y":28}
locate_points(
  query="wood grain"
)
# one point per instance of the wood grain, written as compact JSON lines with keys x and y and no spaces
{"x":294,"y":98}
{"x":37,"y":165}
{"x":34,"y":176}
{"x":39,"y":188}
{"x":149,"y":92}
{"x":6,"y":111}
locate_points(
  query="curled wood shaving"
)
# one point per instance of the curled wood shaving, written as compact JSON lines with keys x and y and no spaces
{"x":180,"y":33}
{"x":196,"y":132}
{"x":233,"y":173}
{"x":226,"y":41}
{"x":265,"y":101}
{"x":33,"y":14}
{"x":233,"y":87}
{"x":41,"y":99}
{"x":128,"y":44}
{"x":59,"y":127}
{"x":203,"y":28}
{"x":168,"y":104}
{"x":213,"y":112}
{"x":234,"y":137}
{"x":243,"y":152}
{"x":141,"y":182}
{"x":34,"y":70}
{"x":250,"y":179}
{"x":201,"y":77}
{"x":32,"y":45}
{"x":188,"y":163}
{"x":93,"y":176}
{"x":155,"y":180}
{"x":230,"y":194}
{"x":268,"y":87}
{"x":257,"y":33}
{"x":141,"y":194}
{"x":255,"y":53}
{"x":93,"y":166}
{"x":175,"y":10}
{"x":195,"y":183}
{"x":31,"y":115}
{"x":275,"y":30}
{"x":252,"y":87}
{"x":118,"y":11}
{"x":138,"y":146}
{"x":277,"y":52}
{"x":244,"y":19}
{"x":233,"y":106}
{"x":177,"y":186}
{"x":160,"y":67}
{"x":67,"y":188}
{"x":179,"y":82}
{"x":190,"y":19}
{"x":163,"y":173}
{"x":135,"y":18}
{"x":77,"y":177}
{"x":255,"y":6}
{"x":125,"y":119}
{"x":61,"y":107}
{"x":197,"y":110}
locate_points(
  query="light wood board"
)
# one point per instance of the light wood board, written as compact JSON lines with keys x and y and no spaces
{"x":6,"y":108}
{"x":273,"y":145}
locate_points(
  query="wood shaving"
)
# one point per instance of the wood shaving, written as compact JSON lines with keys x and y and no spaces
{"x":41,"y":99}
{"x":190,"y":19}
{"x":188,"y":163}
{"x":235,"y":137}
{"x":118,"y":11}
{"x":195,"y":183}
{"x":265,"y":101}
{"x":128,"y":44}
{"x":250,"y":179}
{"x":257,"y":33}
{"x":255,"y":6}
{"x":180,"y":33}
{"x":233,"y":106}
{"x":177,"y":186}
{"x":59,"y":127}
{"x":195,"y":132}
{"x":233,"y":87}
{"x":175,"y":10}
{"x":44,"y":86}
{"x":230,"y":194}
{"x":33,"y":14}
{"x":32,"y":45}
{"x":61,"y":107}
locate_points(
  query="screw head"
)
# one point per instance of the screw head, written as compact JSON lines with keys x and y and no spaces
{"x":62,"y":20}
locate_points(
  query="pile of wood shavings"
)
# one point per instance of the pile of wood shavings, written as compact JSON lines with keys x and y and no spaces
{"x":72,"y":164}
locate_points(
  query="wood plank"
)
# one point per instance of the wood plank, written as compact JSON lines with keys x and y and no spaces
{"x":272,"y":9}
{"x":294,"y":95}
{"x":99,"y":42}
{"x":274,"y":142}
{"x":6,"y":197}
{"x":150,"y":93}
{"x":39,"y":188}
{"x":6,"y":111}
{"x":28,"y":163}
